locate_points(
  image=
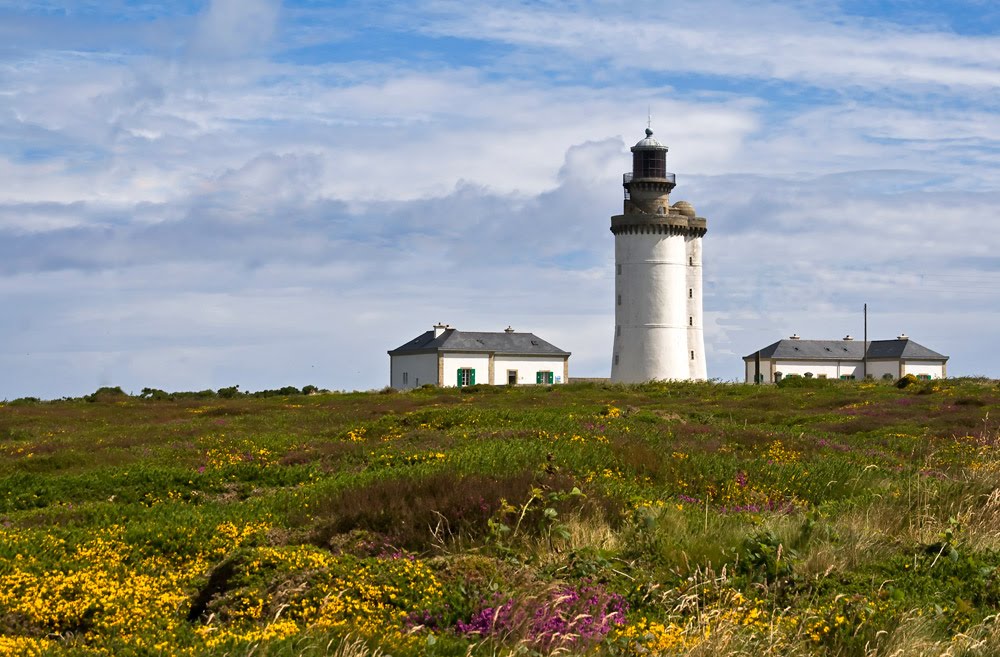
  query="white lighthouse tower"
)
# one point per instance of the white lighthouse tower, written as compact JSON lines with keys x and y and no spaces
{"x":658,"y":313}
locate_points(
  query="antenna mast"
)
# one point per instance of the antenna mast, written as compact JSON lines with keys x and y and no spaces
{"x":864,"y":358}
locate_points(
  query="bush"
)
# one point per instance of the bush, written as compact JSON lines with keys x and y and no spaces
{"x":228,"y":393}
{"x":409,"y":512}
{"x":796,"y":381}
{"x":287,"y":391}
{"x":107,"y":394}
{"x":482,"y":387}
{"x":906,"y":381}
{"x":156,"y":394}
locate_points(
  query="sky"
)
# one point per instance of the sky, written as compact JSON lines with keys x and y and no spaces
{"x":262,"y":193}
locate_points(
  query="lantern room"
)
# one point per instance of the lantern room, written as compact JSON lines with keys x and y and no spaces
{"x":649,"y":158}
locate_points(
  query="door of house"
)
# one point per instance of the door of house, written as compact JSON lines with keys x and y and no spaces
{"x":512,"y":377}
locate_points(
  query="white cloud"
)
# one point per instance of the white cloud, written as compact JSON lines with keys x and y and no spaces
{"x":233,"y":28}
{"x":763,"y":40}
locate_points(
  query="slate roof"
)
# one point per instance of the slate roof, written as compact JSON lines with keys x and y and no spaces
{"x":522,"y":344}
{"x":846,"y":350}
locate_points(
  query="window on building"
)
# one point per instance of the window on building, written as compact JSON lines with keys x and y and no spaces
{"x":887,"y":377}
{"x":616,"y":359}
{"x":619,"y":299}
{"x":466,"y":377}
{"x":512,"y":377}
{"x":690,"y":293}
{"x":822,"y":376}
{"x":924,"y":377}
{"x":406,"y":378}
{"x":618,"y":269}
{"x":544,"y":377}
{"x":692,"y":355}
{"x":808,"y":375}
{"x":777,"y":376}
{"x":690,"y":262}
{"x":618,"y":330}
{"x":690,"y":320}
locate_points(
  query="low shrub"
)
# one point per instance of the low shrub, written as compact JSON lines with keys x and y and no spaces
{"x":156,"y":394}
{"x":808,"y":381}
{"x":417,"y":513}
{"x":228,"y":393}
{"x":107,"y":394}
{"x":24,"y":401}
{"x":482,"y":388}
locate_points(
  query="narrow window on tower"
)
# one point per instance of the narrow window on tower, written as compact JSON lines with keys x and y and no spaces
{"x":618,"y":330}
{"x":692,"y":355}
{"x":618,"y":269}
{"x":690,"y":262}
{"x":619,"y":299}
{"x":690,"y":293}
{"x":690,"y":321}
{"x":616,"y":359}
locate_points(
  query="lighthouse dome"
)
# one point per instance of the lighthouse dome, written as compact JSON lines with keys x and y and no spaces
{"x":648,"y":143}
{"x":684,"y":208}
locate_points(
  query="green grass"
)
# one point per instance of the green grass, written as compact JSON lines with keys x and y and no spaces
{"x":819,"y":518}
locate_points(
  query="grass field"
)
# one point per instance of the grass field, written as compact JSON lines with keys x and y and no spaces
{"x":817,"y":518}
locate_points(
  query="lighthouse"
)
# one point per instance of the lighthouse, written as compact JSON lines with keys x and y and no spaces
{"x":659,"y":332}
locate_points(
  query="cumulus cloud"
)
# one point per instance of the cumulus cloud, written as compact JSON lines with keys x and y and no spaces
{"x":235,"y":28}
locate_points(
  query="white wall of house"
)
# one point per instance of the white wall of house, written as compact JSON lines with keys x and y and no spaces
{"x":527,"y":368}
{"x":831,"y":369}
{"x":877,"y":369}
{"x":412,"y":370}
{"x":766,"y":370}
{"x":454,"y":362}
{"x":933,"y":369}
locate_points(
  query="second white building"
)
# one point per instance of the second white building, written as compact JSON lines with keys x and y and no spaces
{"x":844,"y":359}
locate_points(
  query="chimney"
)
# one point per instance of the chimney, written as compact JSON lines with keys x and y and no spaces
{"x":439,"y":328}
{"x":902,"y":336}
{"x":508,"y":330}
{"x":848,"y":337}
{"x":793,"y":336}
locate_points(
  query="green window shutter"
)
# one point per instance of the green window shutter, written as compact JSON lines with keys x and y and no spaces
{"x":538,"y":377}
{"x":460,"y":378}
{"x":472,"y":377}
{"x":551,"y":379}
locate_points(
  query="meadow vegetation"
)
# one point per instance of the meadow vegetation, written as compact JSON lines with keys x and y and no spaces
{"x":811,"y":518}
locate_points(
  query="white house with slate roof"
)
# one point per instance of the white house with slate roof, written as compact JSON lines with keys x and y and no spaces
{"x":446,"y":356}
{"x":844,"y":359}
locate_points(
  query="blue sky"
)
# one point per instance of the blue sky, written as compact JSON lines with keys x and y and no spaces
{"x":202,"y":194}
